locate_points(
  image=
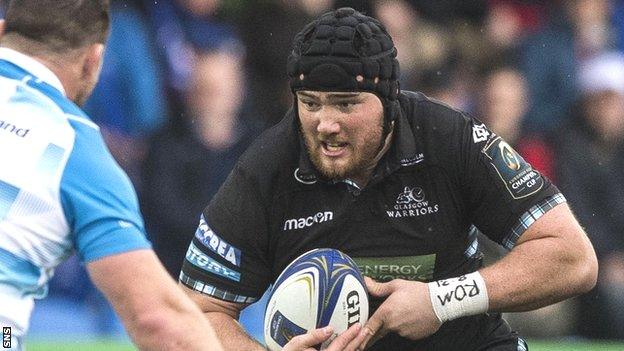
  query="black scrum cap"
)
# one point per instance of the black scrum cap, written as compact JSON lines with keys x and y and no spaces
{"x":344,"y":50}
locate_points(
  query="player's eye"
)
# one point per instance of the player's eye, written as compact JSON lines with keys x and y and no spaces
{"x":346,"y":105}
{"x":310,"y":105}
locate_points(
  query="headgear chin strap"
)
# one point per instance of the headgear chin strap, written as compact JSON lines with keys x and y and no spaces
{"x":344,"y":50}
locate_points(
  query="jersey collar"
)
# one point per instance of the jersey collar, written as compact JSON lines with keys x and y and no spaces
{"x":32,"y":66}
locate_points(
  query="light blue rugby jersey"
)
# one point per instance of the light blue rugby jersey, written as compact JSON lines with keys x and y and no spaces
{"x":60,"y":189}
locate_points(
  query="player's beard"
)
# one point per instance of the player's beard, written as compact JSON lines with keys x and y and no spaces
{"x":361,"y":158}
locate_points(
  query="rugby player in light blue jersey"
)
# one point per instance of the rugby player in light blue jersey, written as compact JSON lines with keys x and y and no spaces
{"x":60,"y":189}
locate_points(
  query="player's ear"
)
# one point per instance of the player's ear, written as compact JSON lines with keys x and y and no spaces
{"x":1,"y":28}
{"x":93,"y":60}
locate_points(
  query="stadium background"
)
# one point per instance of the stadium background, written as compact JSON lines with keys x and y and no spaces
{"x":186,"y":85}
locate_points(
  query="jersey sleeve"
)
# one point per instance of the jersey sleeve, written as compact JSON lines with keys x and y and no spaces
{"x":504,"y":193}
{"x":98,"y":199}
{"x":227,"y":258}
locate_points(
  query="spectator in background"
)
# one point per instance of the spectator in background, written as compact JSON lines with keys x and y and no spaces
{"x":579,"y":30}
{"x":422,"y":45}
{"x":129,"y":102}
{"x":503,"y":102}
{"x":591,"y":174}
{"x":268,"y":44}
{"x":186,"y":166}
{"x":506,"y":25}
{"x":502,"y":106}
{"x":429,"y":56}
{"x":179,"y":27}
{"x":451,"y":12}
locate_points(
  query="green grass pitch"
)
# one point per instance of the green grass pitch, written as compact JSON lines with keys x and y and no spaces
{"x":116,"y":346}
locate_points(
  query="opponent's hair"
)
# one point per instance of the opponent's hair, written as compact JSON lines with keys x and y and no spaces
{"x":57,"y":25}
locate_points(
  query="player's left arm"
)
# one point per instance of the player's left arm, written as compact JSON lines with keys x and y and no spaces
{"x":551,"y":261}
{"x":551,"y":258}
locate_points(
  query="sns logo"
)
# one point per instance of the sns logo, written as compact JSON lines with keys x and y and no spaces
{"x":6,"y":337}
{"x":299,"y":223}
{"x":217,"y":245}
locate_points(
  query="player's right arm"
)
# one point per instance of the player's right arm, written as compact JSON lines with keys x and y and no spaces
{"x":228,"y":265}
{"x":223,"y":315}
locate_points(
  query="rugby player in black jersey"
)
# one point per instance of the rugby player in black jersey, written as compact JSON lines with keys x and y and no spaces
{"x":400,"y":183}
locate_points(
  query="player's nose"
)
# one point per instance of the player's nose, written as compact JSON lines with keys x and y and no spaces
{"x":328,"y":124}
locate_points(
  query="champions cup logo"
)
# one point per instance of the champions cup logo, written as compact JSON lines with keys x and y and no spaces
{"x":516,"y":174}
{"x":509,"y":156}
{"x":299,"y":223}
{"x":411,"y":203}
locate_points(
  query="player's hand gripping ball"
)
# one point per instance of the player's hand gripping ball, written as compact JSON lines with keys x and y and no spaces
{"x":319,"y":288}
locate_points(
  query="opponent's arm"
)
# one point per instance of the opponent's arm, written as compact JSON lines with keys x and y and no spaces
{"x":156,"y":313}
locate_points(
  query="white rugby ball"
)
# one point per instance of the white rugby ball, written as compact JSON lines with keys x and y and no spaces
{"x":319,"y":288}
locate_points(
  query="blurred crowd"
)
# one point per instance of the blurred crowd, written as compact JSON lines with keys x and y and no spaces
{"x":188,"y":84}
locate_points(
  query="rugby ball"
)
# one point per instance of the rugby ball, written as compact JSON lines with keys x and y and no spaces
{"x":319,"y":288}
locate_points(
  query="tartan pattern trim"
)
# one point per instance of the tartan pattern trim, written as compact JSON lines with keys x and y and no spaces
{"x":529,"y":217}
{"x":522,"y":345}
{"x":473,"y":248}
{"x":214,"y":291}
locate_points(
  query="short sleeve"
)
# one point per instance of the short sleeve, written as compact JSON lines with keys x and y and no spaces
{"x":227,"y":258}
{"x":98,"y":200}
{"x":503,"y":192}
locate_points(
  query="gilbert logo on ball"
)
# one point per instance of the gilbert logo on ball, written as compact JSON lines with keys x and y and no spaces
{"x":319,"y":288}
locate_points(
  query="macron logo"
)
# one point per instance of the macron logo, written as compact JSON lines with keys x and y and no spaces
{"x":299,"y":223}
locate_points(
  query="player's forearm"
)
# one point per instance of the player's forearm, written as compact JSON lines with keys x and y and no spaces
{"x":231,"y":334}
{"x":167,"y":320}
{"x":172,"y":329}
{"x":540,"y":272}
{"x":155,"y":311}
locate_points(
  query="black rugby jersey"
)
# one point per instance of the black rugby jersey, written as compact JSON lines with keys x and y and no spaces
{"x":444,"y":177}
